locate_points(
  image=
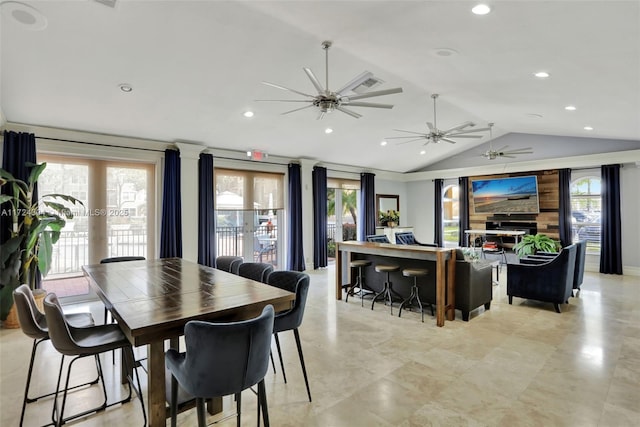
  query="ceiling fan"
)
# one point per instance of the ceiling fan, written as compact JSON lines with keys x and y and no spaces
{"x":326,"y":101}
{"x":436,"y":135}
{"x":492,"y":154}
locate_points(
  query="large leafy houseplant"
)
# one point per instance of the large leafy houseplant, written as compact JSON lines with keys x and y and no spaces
{"x":532,"y":243}
{"x":35,"y":228}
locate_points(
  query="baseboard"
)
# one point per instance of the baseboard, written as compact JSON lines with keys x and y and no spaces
{"x":627,"y":270}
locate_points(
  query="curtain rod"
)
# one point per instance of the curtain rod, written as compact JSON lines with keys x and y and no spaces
{"x":98,"y":144}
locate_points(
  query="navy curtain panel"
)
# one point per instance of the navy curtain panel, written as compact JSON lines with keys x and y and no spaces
{"x":564,"y":211}
{"x":171,"y":225}
{"x":19,"y":148}
{"x":206,"y":212}
{"x":611,"y":232}
{"x":319,"y":183}
{"x":437,"y":215}
{"x":295,"y":255}
{"x":367,"y":225}
{"x":463,"y":209}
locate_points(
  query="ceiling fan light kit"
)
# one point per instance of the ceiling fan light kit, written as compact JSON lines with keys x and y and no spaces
{"x":327,"y":101}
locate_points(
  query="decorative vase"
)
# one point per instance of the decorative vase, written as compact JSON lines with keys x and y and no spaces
{"x":391,"y":224}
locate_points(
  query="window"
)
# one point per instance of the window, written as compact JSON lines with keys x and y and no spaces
{"x":342,"y":212}
{"x":249,"y":207}
{"x":117,"y":218}
{"x":451,"y":216}
{"x":585,"y":211}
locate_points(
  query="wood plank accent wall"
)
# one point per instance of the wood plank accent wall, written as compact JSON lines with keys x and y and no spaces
{"x":548,"y":197}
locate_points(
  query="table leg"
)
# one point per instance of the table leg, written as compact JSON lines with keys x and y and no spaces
{"x":451,"y":286}
{"x":440,"y":285}
{"x":156,"y":385}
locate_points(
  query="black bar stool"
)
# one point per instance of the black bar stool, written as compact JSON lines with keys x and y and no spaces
{"x":387,"y":288}
{"x":415,"y":273}
{"x":359,"y":283}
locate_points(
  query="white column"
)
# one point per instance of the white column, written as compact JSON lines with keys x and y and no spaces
{"x":306,"y":169}
{"x":189,"y":156}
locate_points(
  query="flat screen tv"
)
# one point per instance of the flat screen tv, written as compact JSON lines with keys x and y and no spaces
{"x":517,"y":195}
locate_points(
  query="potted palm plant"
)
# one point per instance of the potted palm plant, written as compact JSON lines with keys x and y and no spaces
{"x":35,"y":228}
{"x":532,"y":243}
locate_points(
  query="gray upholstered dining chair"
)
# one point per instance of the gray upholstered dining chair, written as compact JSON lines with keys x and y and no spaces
{"x":84,"y":342}
{"x":257,"y":271}
{"x":292,"y":281}
{"x":229,"y":264}
{"x":34,"y":325}
{"x":222,"y":359}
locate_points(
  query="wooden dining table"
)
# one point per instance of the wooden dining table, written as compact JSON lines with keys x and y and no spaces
{"x":152,"y":300}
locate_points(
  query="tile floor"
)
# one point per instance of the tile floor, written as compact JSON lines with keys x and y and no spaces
{"x":518,"y":365}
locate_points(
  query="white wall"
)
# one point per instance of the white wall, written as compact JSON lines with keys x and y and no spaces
{"x":420,"y":197}
{"x":630,"y":207}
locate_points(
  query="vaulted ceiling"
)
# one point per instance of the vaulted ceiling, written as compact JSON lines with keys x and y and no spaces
{"x":196,"y":66}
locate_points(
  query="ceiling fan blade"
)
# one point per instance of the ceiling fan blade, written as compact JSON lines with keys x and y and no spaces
{"x":450,"y":141}
{"x":355,"y":82}
{"x":459,"y":127}
{"x":471,"y":131}
{"x":375,"y":93}
{"x":405,"y":137}
{"x":502,"y":149}
{"x":314,"y":80}
{"x":455,"y":135}
{"x":411,"y":140}
{"x":349,"y":112}
{"x":297,"y":109}
{"x":368,"y":104}
{"x":283,"y":100}
{"x":287,"y":89}
{"x":506,"y":155}
{"x":521,"y":150}
{"x":417,"y":133}
{"x":431,"y":126}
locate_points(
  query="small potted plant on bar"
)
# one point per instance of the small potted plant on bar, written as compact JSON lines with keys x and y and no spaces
{"x":35,"y":228}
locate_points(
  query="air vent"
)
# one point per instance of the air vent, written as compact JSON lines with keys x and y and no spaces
{"x":367,"y":85}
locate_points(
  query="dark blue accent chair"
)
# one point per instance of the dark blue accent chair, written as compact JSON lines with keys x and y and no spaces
{"x":550,"y":281}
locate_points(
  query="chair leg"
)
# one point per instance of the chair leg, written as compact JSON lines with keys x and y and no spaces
{"x":130,"y":360}
{"x":262,"y":403}
{"x":202,"y":417}
{"x":296,"y":334}
{"x":174,"y":401}
{"x":557,"y":307}
{"x":238,"y":407}
{"x":273,"y":364}
{"x":510,"y":299}
{"x":26,"y":388}
{"x":284,"y":374}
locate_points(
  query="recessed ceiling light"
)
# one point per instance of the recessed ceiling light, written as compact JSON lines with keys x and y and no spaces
{"x":588,"y":128}
{"x":542,"y":74}
{"x":328,"y":130}
{"x":383,"y":143}
{"x":570,"y":108}
{"x":423,"y":152}
{"x":444,"y":52}
{"x":28,"y":16}
{"x":481,"y":9}
{"x":125,"y":87}
{"x":248,"y":114}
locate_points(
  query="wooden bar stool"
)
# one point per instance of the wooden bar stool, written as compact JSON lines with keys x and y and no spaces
{"x":415,"y":273}
{"x":359,"y":283}
{"x":387,"y":288}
